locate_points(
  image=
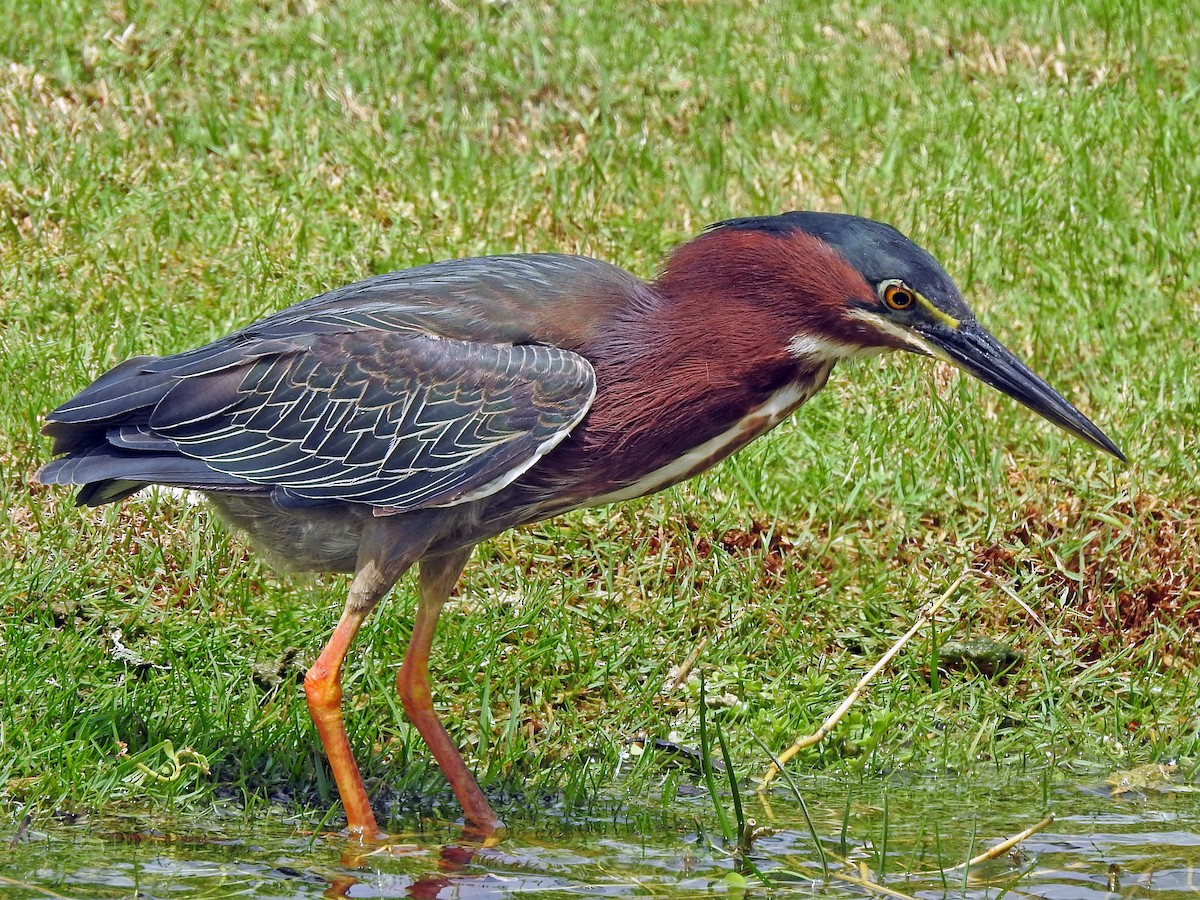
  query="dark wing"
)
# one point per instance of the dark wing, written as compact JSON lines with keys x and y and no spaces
{"x":427,"y":387}
{"x":401,"y":420}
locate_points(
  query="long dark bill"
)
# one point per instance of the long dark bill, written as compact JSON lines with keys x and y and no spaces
{"x":972,"y":349}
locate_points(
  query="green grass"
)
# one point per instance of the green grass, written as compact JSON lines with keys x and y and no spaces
{"x":168,"y":174}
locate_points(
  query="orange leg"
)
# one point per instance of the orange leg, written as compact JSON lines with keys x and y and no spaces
{"x":437,"y":578}
{"x":323,"y":688}
{"x":384,"y":556}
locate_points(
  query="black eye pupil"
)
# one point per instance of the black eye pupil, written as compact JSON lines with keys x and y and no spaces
{"x":898,"y":298}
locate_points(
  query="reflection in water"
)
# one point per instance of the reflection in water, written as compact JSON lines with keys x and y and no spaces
{"x":912,"y":836}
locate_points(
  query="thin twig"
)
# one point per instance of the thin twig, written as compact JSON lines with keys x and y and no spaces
{"x":25,"y":885}
{"x":871,"y":886}
{"x":830,"y":723}
{"x":685,"y":669}
{"x":999,"y":850}
{"x":1055,"y":640}
{"x":812,"y":829}
{"x":863,"y":879}
{"x":1005,"y":846}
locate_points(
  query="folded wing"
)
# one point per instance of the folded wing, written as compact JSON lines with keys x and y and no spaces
{"x":360,"y":407}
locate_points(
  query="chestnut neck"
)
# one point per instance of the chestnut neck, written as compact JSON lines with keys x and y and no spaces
{"x":694,"y":362}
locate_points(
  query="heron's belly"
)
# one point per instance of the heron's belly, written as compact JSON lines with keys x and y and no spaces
{"x":321,"y":539}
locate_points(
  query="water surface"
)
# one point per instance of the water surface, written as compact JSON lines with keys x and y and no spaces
{"x":910,"y":835}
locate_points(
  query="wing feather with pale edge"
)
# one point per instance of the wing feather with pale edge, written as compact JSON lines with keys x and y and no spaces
{"x":396,"y":419}
{"x":426,"y":387}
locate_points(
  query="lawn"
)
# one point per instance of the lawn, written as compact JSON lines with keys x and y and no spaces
{"x":170,"y":171}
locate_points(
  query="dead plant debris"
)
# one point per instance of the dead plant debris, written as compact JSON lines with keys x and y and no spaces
{"x":1132,"y":570}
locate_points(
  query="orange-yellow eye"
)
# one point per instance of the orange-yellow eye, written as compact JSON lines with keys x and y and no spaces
{"x":897,"y":296}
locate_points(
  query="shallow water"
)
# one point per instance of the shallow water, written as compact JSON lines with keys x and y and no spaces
{"x":910,"y":835}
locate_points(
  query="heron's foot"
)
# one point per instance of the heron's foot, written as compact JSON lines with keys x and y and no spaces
{"x":359,"y":849}
{"x":488,"y":834}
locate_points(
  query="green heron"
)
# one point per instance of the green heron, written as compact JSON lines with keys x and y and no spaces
{"x":406,"y":418}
